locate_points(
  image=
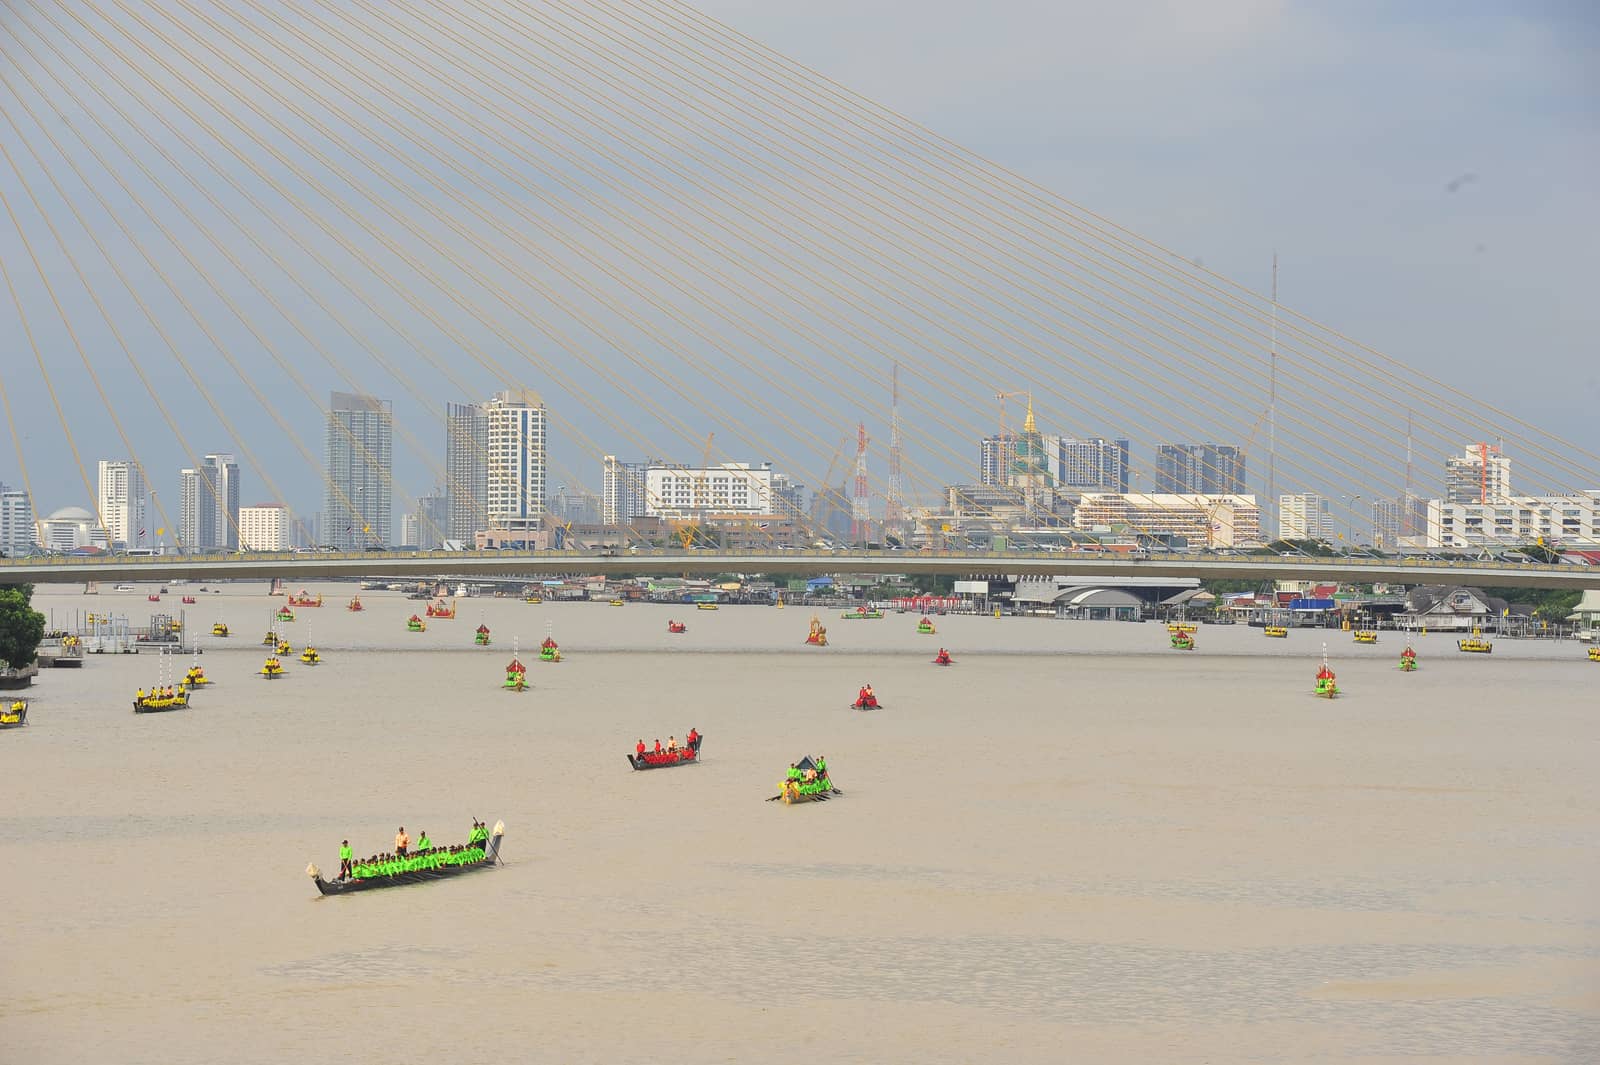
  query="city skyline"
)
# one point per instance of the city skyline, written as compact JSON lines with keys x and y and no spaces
{"x":1471,"y":496}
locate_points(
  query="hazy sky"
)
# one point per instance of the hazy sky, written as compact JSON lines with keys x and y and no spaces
{"x":1425,"y":173}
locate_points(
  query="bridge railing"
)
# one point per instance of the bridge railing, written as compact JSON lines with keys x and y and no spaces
{"x":1066,"y":558}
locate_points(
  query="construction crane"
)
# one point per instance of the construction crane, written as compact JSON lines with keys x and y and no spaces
{"x":687,"y":529}
{"x":826,"y":492}
{"x":1003,"y":460}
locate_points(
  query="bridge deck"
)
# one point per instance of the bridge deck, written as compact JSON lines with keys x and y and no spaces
{"x":310,"y":565}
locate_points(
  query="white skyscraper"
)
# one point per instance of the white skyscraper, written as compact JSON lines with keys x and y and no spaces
{"x":517,"y":460}
{"x":466,"y":470}
{"x":1087,"y":465}
{"x":1304,"y":517}
{"x":1480,"y":474}
{"x":18,"y":535}
{"x":121,"y":502}
{"x":197,"y":509}
{"x":621,"y":491}
{"x":208,"y":504}
{"x":360,"y":453}
{"x":225,"y":475}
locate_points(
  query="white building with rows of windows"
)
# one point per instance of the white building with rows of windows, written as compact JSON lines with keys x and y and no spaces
{"x":1200,"y":520}
{"x":1564,"y":521}
{"x":726,"y":488}
{"x":265,"y":527}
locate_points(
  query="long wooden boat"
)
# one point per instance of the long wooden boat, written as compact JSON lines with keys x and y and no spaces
{"x":1476,"y":645}
{"x":667,"y":759}
{"x":1365,"y":636}
{"x":161,"y":705}
{"x":491,"y":858}
{"x":1276,"y":632}
{"x":13,"y":714}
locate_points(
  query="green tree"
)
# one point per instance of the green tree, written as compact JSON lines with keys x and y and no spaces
{"x":21,"y":626}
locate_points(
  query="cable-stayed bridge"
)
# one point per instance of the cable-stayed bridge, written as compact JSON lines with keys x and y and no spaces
{"x":676,"y":245}
{"x":665,"y":561}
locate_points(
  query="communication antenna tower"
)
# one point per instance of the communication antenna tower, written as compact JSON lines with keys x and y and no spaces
{"x":860,"y":512}
{"x":1272,"y":399}
{"x":894,"y":503}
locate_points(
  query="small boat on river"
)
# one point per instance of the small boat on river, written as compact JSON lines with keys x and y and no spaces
{"x":806,"y":781}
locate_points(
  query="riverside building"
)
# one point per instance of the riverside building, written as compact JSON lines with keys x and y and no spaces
{"x":1199,"y":520}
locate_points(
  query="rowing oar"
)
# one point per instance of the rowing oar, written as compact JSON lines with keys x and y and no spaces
{"x":776,"y":797}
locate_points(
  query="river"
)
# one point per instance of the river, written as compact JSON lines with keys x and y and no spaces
{"x":1075,"y":844}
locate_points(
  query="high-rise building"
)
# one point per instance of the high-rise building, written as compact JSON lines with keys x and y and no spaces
{"x":264,"y":527}
{"x":208,"y":504}
{"x":466,"y":469}
{"x":517,"y":460}
{"x":1401,"y":522}
{"x":996,"y":455}
{"x":1304,"y":517}
{"x":788,"y":495}
{"x":621,"y":491}
{"x":358,"y":509}
{"x":1088,"y":465}
{"x":577,"y":505}
{"x":225,"y":475}
{"x":1208,"y":469}
{"x":410,"y":530}
{"x":197,"y":509}
{"x":433,"y":520}
{"x":18,"y":534}
{"x":1481,"y":474}
{"x":121,"y":502}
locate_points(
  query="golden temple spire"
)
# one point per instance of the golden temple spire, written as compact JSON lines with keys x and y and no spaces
{"x":1027,"y":425}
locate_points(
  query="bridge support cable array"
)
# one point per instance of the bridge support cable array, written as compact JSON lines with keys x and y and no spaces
{"x":1256,"y":343}
{"x":304,"y":290}
{"x":664,"y":225}
{"x":218,"y":244}
{"x":981,"y":177}
{"x":503,"y":298}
